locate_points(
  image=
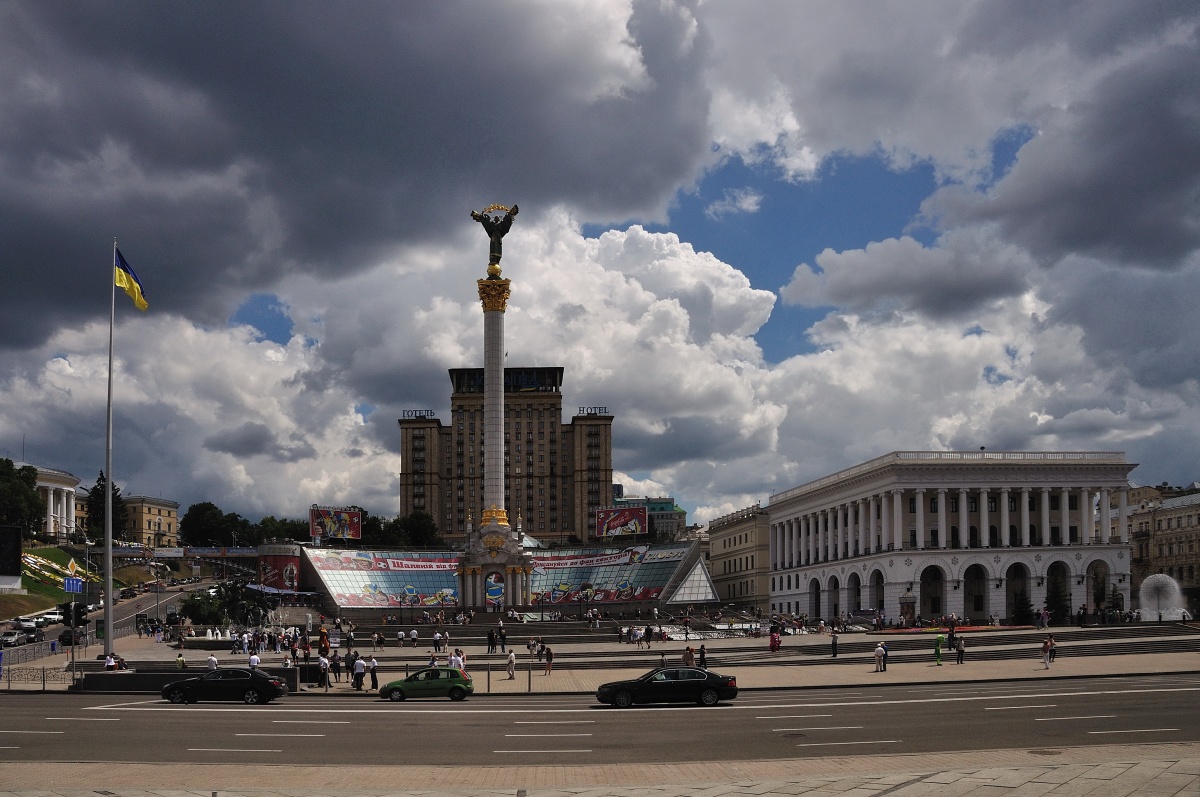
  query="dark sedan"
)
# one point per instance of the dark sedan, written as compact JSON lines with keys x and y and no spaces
{"x":248,"y":686}
{"x":670,"y":685}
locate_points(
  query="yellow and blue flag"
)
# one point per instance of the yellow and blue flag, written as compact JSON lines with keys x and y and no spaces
{"x":126,"y":279}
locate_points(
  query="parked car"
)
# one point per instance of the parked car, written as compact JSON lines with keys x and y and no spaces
{"x":670,"y":685}
{"x":248,"y":686}
{"x":448,"y":682}
{"x":27,"y":623}
{"x":53,"y":617}
{"x":11,"y":638}
{"x":72,"y":636}
{"x":128,"y":592}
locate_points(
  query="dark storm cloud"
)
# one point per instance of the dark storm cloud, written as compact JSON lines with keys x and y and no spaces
{"x":1115,"y":178}
{"x":255,"y":440}
{"x":311,"y":138}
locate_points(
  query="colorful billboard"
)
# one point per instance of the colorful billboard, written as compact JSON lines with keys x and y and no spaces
{"x":619,"y":522}
{"x":332,"y":523}
{"x":279,"y":567}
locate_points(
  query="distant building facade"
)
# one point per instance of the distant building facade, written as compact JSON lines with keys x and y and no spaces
{"x":739,"y":558}
{"x":153,"y":522}
{"x":556,"y":474}
{"x":64,"y":501}
{"x":933,"y":533}
{"x":1166,"y":539}
{"x":666,"y":520}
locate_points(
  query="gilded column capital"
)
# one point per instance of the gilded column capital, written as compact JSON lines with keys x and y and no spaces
{"x":493,"y":294}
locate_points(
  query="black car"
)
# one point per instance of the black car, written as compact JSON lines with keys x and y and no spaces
{"x":670,"y":685}
{"x":248,"y":686}
{"x":72,"y":636}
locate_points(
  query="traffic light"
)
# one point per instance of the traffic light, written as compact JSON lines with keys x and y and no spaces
{"x":80,"y":618}
{"x":65,"y":610}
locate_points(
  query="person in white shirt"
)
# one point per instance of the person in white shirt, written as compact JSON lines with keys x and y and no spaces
{"x":254,"y":661}
{"x":455,"y":660}
{"x":374,"y":675}
{"x":212,"y":661}
{"x":360,"y":670}
{"x":512,"y":665}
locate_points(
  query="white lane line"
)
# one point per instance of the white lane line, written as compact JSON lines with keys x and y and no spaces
{"x":1136,"y":730}
{"x":32,"y":731}
{"x":228,"y":750}
{"x":828,"y":728}
{"x":281,"y":735}
{"x":1014,"y":708}
{"x":310,"y":722}
{"x":87,"y":719}
{"x":541,"y":752}
{"x":841,"y":744}
{"x":10,"y":748}
{"x":794,"y":717}
{"x":541,"y":735}
{"x":1089,"y":717}
{"x":554,"y":722}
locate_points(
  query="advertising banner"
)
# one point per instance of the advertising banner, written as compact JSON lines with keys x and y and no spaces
{"x":374,"y":560}
{"x":280,"y":571}
{"x":333,"y":523}
{"x":379,"y":597}
{"x":618,"y":522}
{"x":168,"y":553}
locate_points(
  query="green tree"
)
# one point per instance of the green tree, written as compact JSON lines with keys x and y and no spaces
{"x":202,"y":525}
{"x":201,"y":608}
{"x":1022,"y":609}
{"x":20,"y":504}
{"x":419,"y":530}
{"x":271,"y":528}
{"x":378,"y":532}
{"x":1058,"y":601}
{"x":95,"y":510}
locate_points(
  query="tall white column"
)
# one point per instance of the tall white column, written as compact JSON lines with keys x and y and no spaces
{"x":1123,"y":515}
{"x":493,"y":294}
{"x":943,"y":523}
{"x":1085,"y":515}
{"x":873,"y":532}
{"x":1024,"y":517}
{"x":964,"y":521}
{"x":920,"y":518}
{"x":985,"y":536}
{"x":823,"y":536}
{"x":49,"y":511}
{"x":1005,"y":520}
{"x":1105,"y":516}
{"x":865,"y":520}
{"x":1064,"y":505}
{"x":1044,"y":512}
{"x":898,"y":519}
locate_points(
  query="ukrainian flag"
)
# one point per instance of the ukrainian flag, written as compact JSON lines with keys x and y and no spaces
{"x":126,"y":279}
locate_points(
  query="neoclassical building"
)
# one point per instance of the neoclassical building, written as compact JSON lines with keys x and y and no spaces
{"x":63,"y":507}
{"x":940,"y":532}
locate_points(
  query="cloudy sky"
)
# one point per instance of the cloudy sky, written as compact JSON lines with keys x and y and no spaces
{"x":774,"y":238}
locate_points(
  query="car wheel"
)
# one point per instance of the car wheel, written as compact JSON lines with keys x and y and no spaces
{"x":457,"y":693}
{"x":176,"y":696}
{"x":622,"y":700}
{"x":709,"y":697}
{"x":395,"y":695}
{"x":251,"y":697}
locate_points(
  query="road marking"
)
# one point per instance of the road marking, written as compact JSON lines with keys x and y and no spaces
{"x":829,"y":728}
{"x":795,"y":717}
{"x":542,"y":735}
{"x":10,"y":748}
{"x":286,"y":735}
{"x":1137,"y":730}
{"x":541,"y":751}
{"x":554,"y":722}
{"x":1089,"y":717}
{"x":87,"y":719}
{"x":310,"y":722}
{"x":840,"y":744}
{"x":32,"y":731}
{"x":1013,"y":708}
{"x":228,"y":750}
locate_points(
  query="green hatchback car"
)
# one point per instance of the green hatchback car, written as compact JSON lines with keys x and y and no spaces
{"x":448,"y":682}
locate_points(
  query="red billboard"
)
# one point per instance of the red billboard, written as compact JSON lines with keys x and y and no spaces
{"x":332,"y":523}
{"x":279,"y":567}
{"x":620,"y":522}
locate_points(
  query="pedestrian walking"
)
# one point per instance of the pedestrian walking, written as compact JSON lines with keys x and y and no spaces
{"x":502,"y":636}
{"x":833,"y":642}
{"x":1047,"y":646}
{"x":372,"y":668}
{"x":491,"y":637}
{"x":549,"y":661}
{"x":512,"y":664}
{"x":413,"y":637}
{"x":323,"y":665}
{"x":1053,"y":648}
{"x":360,"y":671}
{"x":702,"y":658}
{"x":960,"y":649}
{"x":885,"y":655}
{"x":937,"y":649}
{"x":335,"y":667}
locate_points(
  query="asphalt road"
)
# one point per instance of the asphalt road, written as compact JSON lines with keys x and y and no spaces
{"x":572,"y":729}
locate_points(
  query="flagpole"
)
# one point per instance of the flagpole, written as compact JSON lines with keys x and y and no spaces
{"x":108,"y":478}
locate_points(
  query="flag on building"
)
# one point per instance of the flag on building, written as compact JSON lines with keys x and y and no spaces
{"x":127,"y":280}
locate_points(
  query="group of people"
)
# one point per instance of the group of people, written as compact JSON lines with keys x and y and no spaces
{"x":357,"y":668}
